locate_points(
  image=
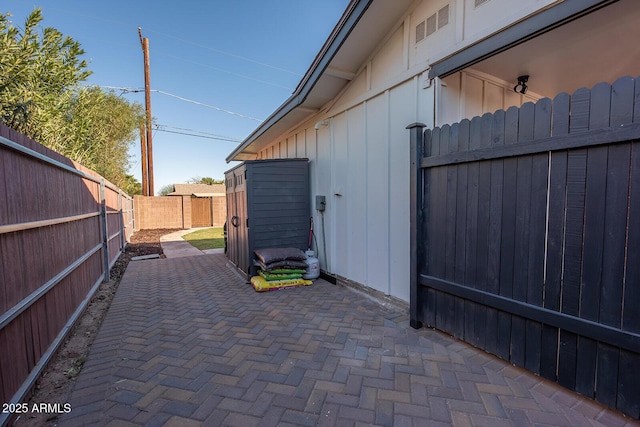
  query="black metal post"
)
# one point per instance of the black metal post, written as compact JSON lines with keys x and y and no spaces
{"x":416,"y":136}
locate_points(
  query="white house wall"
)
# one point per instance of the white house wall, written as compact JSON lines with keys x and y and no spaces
{"x":359,"y":148}
{"x":389,"y":60}
{"x":471,"y":93}
{"x":467,"y":23}
{"x":360,"y":162}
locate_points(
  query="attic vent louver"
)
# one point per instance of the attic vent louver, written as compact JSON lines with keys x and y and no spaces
{"x":443,"y":16}
{"x":420,"y":31}
{"x":480,"y":2}
{"x":431,"y":24}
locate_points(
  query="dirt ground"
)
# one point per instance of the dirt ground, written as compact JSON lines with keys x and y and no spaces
{"x":57,"y":380}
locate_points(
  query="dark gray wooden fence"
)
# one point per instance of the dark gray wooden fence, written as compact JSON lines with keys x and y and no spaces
{"x":526,"y":237}
{"x":62,"y":227}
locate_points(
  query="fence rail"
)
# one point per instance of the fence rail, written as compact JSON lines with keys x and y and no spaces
{"x":62,"y":227}
{"x":526,"y":237}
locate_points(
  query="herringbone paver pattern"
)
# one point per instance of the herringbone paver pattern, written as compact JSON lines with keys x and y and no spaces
{"x":186,"y":343}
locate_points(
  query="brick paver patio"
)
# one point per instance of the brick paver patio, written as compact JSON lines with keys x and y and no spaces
{"x":186,"y":343}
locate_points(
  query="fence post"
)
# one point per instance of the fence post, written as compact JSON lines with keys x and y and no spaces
{"x":416,"y":140}
{"x":121,"y":218}
{"x":105,"y":236}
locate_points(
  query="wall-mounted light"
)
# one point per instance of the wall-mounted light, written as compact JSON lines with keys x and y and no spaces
{"x":321,"y":123}
{"x":521,"y":87}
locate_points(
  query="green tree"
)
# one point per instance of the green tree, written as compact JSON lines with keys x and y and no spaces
{"x":166,"y":190}
{"x":41,"y":97}
{"x":35,"y":72}
{"x":133,"y":186}
{"x":205,"y":180}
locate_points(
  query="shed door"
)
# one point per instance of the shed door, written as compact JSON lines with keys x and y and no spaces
{"x":237,"y":233}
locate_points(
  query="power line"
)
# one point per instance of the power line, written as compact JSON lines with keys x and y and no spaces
{"x":200,"y":136}
{"x":233,"y":55}
{"x":196,"y":133}
{"x":227,"y":72}
{"x":129,"y":90}
{"x":208,"y":106}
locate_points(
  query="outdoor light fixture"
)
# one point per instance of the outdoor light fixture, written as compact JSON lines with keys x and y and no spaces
{"x":522,"y":85}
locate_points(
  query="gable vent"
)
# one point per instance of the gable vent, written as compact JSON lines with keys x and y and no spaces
{"x":480,"y":2}
{"x":420,"y":31}
{"x":432,"y":24}
{"x":443,"y":16}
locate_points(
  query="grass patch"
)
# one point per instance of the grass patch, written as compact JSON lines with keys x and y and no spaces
{"x":207,"y":238}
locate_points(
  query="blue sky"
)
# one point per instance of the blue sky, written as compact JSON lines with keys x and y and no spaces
{"x":242,"y":56}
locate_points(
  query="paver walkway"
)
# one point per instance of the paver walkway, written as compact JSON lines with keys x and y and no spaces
{"x":174,"y":246}
{"x":186,"y":342}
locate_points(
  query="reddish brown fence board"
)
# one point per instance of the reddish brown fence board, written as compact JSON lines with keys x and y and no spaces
{"x":32,"y":255}
{"x":530,"y":242}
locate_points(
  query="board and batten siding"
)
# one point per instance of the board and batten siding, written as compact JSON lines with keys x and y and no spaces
{"x":359,"y":161}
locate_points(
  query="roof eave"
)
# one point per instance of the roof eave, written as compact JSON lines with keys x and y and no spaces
{"x":348,"y":21}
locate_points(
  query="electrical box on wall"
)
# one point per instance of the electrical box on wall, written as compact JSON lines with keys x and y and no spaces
{"x":321,"y":203}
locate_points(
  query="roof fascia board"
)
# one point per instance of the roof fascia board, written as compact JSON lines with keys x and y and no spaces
{"x":520,"y":32}
{"x":342,"y":30}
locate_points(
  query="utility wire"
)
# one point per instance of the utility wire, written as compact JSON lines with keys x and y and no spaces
{"x":227,"y":72}
{"x":208,"y":106}
{"x":233,"y":55}
{"x":199,"y":136}
{"x":129,"y":90}
{"x":191,"y":132}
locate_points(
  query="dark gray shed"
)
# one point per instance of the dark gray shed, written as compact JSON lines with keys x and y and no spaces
{"x":268,"y":206}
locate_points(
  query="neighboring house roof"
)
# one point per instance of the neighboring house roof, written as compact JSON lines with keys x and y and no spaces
{"x":208,"y":194}
{"x":198,"y":190}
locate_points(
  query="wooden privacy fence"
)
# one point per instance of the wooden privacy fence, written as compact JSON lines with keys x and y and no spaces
{"x":525,"y":237}
{"x":62,"y":227}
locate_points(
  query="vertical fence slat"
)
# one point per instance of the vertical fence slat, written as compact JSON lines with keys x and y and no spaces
{"x":555,"y":236}
{"x":482,"y":330}
{"x":471,"y":234}
{"x":495,"y":230}
{"x":537,"y":227}
{"x":599,"y":113}
{"x":455,"y":305}
{"x":622,"y":94}
{"x":450,"y":226}
{"x":629,"y":374}
{"x":575,"y":195}
{"x":510,"y":173}
{"x":613,"y":268}
{"x":433,"y":250}
{"x":522,"y":197}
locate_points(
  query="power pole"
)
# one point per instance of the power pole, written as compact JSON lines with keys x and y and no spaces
{"x":147,"y":97}
{"x":143,"y":159}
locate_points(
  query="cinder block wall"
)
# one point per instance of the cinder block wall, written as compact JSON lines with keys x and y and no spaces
{"x":219,"y":210}
{"x":160,"y":212}
{"x":186,"y":211}
{"x":172,"y":212}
